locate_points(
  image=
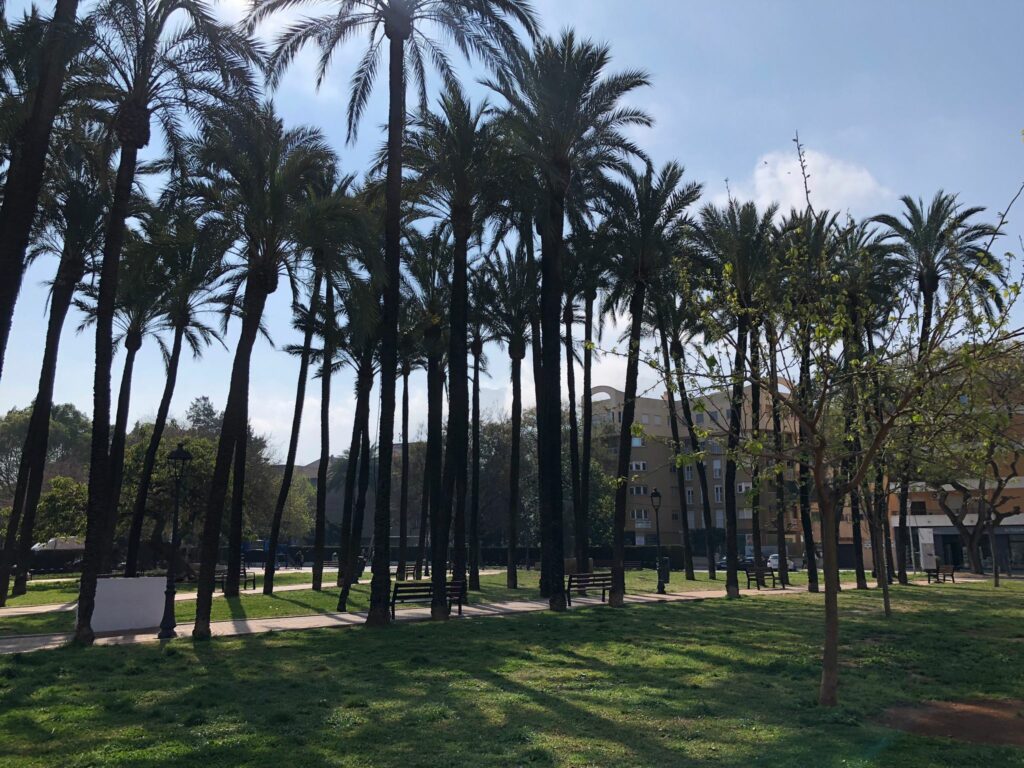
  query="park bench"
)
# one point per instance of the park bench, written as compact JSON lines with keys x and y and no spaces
{"x":627,"y":565}
{"x":423,"y":592}
{"x":758,"y":576}
{"x":244,"y":576}
{"x":939,"y":573}
{"x":581,"y":582}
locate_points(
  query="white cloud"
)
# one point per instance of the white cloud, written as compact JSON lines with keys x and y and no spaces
{"x":836,"y":184}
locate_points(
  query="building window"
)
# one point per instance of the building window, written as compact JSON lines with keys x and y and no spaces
{"x":698,"y":418}
{"x":645,"y":419}
{"x":716,"y":469}
{"x":657,"y":420}
{"x":637,"y":442}
{"x":640,"y":513}
{"x":691,"y":515}
{"x":918,"y":508}
{"x":744,"y":514}
{"x":675,"y":515}
{"x":689,"y":495}
{"x":718,"y":494}
{"x":716,"y":447}
{"x":719,"y":518}
{"x":638,"y":466}
{"x":688,"y":472}
{"x":638,"y":490}
{"x":742,"y":487}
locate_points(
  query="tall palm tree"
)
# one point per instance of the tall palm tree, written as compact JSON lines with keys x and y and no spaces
{"x":479,"y":336}
{"x":646,"y":212}
{"x":193,"y":266}
{"x":138,"y":314}
{"x":451,"y":154}
{"x":591,"y":265}
{"x":430,"y":258}
{"x":938,"y":245}
{"x":564,"y":114}
{"x":485,"y":28}
{"x":70,"y":227}
{"x":252,"y":174}
{"x":737,"y":240}
{"x":510,"y":283}
{"x":328,"y":219}
{"x":410,"y":358}
{"x":36,"y":57}
{"x":160,"y":69}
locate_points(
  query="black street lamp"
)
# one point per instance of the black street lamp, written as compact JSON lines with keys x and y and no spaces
{"x":656,"y":504}
{"x":179,"y":459}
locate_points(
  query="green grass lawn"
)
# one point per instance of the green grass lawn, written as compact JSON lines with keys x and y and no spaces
{"x":304,"y":602}
{"x":724,"y":683}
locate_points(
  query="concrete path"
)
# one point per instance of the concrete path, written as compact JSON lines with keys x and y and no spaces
{"x":235,"y":627}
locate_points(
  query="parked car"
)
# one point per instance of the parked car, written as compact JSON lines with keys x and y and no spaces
{"x":773,"y":562}
{"x":741,"y":563}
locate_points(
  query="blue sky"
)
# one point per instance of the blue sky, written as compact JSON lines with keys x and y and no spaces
{"x":890,"y":98}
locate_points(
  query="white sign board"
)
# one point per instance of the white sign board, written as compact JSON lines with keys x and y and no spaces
{"x":128,"y":604}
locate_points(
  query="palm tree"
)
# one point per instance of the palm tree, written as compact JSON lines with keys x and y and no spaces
{"x":479,"y":336}
{"x":430,"y":258}
{"x":939,"y":245}
{"x":481,"y":27}
{"x":451,"y":154}
{"x":737,"y":241}
{"x":252,"y":174}
{"x":193,"y":266}
{"x":70,"y":227}
{"x":646,"y":212}
{"x":564,"y":116}
{"x":410,"y":358}
{"x":138,"y":313}
{"x":35,"y":57}
{"x":510,"y":283}
{"x":591,"y":277}
{"x":162,"y":71}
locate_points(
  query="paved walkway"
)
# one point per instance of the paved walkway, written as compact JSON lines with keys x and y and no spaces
{"x":27,"y":643}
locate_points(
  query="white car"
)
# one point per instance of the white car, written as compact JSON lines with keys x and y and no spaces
{"x":773,"y":562}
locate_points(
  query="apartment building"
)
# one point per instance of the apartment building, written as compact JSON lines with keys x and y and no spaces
{"x":652,"y":465}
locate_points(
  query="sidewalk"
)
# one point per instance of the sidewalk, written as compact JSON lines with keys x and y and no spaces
{"x":28,"y":643}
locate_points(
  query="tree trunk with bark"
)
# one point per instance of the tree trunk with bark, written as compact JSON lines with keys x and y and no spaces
{"x":579,"y":514}
{"x":583,"y":566}
{"x":270,"y":567}
{"x":474,"y":492}
{"x":397,"y":29}
{"x":320,"y":524}
{"x":617,"y":594}
{"x":755,"y":428}
{"x":780,"y":476}
{"x":732,"y":584}
{"x":98,"y":534}
{"x":149,"y":461}
{"x":516,"y":354}
{"x":403,"y":494}
{"x":439,"y":518}
{"x":676,"y":452}
{"x":18,"y":548}
{"x":233,"y":430}
{"x":232,"y":582}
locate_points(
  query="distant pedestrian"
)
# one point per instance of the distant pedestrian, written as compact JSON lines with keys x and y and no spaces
{"x":300,"y":559}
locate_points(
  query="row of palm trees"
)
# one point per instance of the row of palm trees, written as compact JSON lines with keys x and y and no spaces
{"x":420,"y":265}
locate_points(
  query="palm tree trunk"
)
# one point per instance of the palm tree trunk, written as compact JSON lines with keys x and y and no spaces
{"x":511,"y":575}
{"x":636,"y":310}
{"x":131,"y":567}
{"x":98,"y":534}
{"x":33,"y":455}
{"x":360,"y":421}
{"x":538,"y":388}
{"x":28,"y":163}
{"x":133,"y":342}
{"x":780,"y":476}
{"x":579,"y":518}
{"x":439,"y":518}
{"x":403,"y":499}
{"x":270,"y":567}
{"x":355,"y":542}
{"x":397,"y":30}
{"x":550,"y":403}
{"x":456,"y":455}
{"x":320,"y":526}
{"x":421,"y":543}
{"x":583,"y":537}
{"x":803,"y":469}
{"x":702,"y":477}
{"x":232,"y":431}
{"x":232,"y":582}
{"x":673,"y":421}
{"x":755,"y":426}
{"x":732,"y":584}
{"x":474,"y":503}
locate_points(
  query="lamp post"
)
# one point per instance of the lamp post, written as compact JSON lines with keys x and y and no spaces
{"x":179,"y":459}
{"x":656,"y":504}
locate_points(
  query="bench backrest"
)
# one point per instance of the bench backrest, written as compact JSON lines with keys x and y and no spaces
{"x":947,"y":569}
{"x":413,"y":589}
{"x":457,"y":588}
{"x":584,"y":580}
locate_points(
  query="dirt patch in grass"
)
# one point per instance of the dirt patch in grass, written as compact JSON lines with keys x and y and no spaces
{"x":998,"y":722}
